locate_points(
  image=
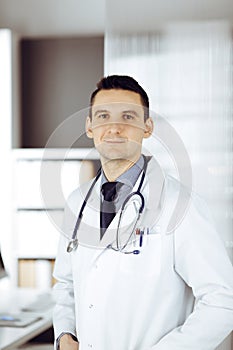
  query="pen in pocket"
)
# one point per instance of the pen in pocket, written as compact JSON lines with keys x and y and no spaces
{"x":141,"y":238}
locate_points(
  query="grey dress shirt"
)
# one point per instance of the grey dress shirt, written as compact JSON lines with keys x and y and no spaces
{"x":128,"y":179}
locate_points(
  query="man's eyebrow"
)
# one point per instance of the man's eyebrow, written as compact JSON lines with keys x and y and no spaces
{"x":130,"y":111}
{"x":101,"y":111}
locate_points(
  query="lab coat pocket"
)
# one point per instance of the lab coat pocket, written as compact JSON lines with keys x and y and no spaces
{"x":148,"y":262}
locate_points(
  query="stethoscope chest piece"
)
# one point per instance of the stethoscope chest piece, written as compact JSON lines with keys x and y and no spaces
{"x":73,"y":245}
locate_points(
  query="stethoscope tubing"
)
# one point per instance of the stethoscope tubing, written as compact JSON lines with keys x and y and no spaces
{"x":141,"y":208}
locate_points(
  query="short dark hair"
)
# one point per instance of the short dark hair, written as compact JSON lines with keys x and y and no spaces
{"x":122,"y":82}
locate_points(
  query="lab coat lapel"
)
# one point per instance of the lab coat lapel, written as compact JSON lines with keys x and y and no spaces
{"x":89,"y":231}
{"x":153,"y":190}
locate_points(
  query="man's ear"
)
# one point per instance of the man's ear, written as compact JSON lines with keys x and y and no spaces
{"x":89,"y":132}
{"x":149,"y":127}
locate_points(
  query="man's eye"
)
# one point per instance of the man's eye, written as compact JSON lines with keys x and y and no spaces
{"x":103,"y":116}
{"x":128,"y":116}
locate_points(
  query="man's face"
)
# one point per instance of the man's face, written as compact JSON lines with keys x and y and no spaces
{"x":117,"y":125}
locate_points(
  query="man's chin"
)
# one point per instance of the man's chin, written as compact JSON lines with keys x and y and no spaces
{"x":116,"y":154}
{"x":110,"y":153}
{"x":109,"y":157}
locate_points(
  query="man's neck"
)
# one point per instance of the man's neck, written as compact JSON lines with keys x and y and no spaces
{"x":113,"y":168}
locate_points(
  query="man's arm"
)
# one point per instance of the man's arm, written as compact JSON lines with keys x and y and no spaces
{"x":64,"y":319}
{"x":64,"y":311}
{"x":202,"y":262}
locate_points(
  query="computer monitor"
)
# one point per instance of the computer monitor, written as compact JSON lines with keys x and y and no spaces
{"x":3,"y":272}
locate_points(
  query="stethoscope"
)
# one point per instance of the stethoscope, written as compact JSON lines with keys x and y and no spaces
{"x":73,"y":243}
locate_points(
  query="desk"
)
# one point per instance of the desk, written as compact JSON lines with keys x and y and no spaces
{"x":11,"y":301}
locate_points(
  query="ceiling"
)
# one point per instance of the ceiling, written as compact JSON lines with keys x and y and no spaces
{"x":51,"y":18}
{"x":43,"y":18}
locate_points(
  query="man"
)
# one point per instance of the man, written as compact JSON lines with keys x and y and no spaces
{"x":137,"y":285}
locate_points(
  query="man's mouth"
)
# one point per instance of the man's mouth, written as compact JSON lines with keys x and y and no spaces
{"x":115,"y":140}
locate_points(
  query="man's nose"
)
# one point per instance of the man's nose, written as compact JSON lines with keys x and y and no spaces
{"x":115,"y":127}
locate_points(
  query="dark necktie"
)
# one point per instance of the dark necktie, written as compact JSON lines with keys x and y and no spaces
{"x":109,"y":190}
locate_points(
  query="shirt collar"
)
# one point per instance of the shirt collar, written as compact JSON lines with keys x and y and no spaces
{"x":130,"y":176}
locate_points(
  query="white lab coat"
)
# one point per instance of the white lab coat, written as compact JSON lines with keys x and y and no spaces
{"x":176,"y":294}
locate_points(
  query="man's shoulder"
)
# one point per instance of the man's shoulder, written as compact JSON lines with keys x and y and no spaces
{"x":170,"y":182}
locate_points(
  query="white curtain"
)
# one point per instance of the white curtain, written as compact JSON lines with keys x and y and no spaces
{"x":187,"y":71}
